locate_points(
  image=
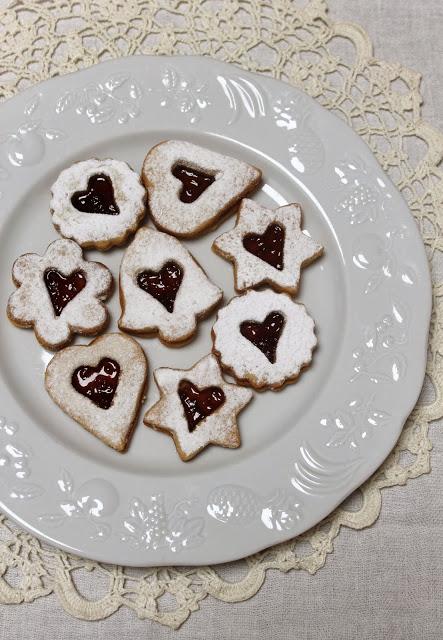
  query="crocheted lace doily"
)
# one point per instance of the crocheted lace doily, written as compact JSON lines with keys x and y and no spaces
{"x":332,"y":62}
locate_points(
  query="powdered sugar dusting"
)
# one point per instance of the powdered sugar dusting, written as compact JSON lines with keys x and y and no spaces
{"x":244,"y":359}
{"x":299,"y":249}
{"x":218,"y":428}
{"x":96,"y":229}
{"x":233,"y":179}
{"x":31,"y":305}
{"x":150,"y":250}
{"x":112,"y":425}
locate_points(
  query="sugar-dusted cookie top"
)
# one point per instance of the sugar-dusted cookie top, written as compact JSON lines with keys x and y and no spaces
{"x":267,"y":246}
{"x":264,"y":339}
{"x":100,"y":385}
{"x":162,"y":288}
{"x":59,"y":294}
{"x":197,"y":407}
{"x":190,"y":187}
{"x":97,"y":203}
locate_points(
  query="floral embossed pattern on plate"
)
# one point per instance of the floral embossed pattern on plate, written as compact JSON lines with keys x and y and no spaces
{"x":304,"y":449}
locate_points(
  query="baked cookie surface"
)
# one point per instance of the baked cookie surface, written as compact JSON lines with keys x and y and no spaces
{"x":264,"y":339}
{"x":163,"y":289}
{"x":190,"y":187}
{"x":197,"y":407}
{"x":59,"y":294}
{"x":100,"y":386}
{"x":267,"y":246}
{"x":97,"y":203}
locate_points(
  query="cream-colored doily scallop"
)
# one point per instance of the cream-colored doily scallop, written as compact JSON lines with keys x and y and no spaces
{"x":333,"y":63}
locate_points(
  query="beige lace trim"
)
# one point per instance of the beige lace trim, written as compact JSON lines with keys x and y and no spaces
{"x":381,"y":101}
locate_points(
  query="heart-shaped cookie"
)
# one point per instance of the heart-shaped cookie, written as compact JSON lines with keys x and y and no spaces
{"x":267,"y":246}
{"x":162,"y":285}
{"x":199,"y":403}
{"x":62,"y":289}
{"x":265,"y":335}
{"x":190,"y":187}
{"x":98,"y":196}
{"x":100,"y":385}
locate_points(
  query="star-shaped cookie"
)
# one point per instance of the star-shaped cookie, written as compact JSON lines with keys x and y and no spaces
{"x":267,"y":246}
{"x":197,"y":407}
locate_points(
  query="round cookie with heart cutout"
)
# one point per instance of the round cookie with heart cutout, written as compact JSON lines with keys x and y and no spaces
{"x":100,"y":386}
{"x":264,"y":339}
{"x":163,"y":289}
{"x":59,"y":294}
{"x":267,"y":246}
{"x":197,"y":407}
{"x":97,"y":203}
{"x":190,"y":187}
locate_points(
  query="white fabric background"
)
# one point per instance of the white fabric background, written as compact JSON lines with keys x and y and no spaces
{"x":383,"y":582}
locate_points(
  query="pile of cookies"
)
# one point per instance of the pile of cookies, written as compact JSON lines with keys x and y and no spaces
{"x":261,"y":337}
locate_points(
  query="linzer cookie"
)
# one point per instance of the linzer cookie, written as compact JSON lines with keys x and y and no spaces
{"x":190,"y":187}
{"x":59,"y":294}
{"x":197,"y":407}
{"x":267,"y":247}
{"x":100,"y":386}
{"x":264,"y":339}
{"x":162,"y":288}
{"x":97,"y":203}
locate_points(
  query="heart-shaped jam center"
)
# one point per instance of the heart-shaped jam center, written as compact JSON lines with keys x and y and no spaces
{"x":194,"y":182}
{"x":267,"y":246}
{"x":199,"y":403}
{"x":98,"y":197}
{"x":99,"y":383}
{"x":163,"y":285}
{"x":62,"y":289}
{"x":265,"y":335}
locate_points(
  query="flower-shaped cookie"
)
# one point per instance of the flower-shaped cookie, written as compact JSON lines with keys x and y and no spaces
{"x":197,"y":407}
{"x":267,"y":246}
{"x":59,"y":294}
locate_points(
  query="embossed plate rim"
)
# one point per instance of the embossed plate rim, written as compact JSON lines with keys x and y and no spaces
{"x":386,"y":266}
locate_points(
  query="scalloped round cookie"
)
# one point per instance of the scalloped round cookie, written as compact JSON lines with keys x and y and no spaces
{"x":264,"y":339}
{"x":97,"y":203}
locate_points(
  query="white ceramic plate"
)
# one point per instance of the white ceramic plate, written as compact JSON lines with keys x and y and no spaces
{"x":303,"y":449}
